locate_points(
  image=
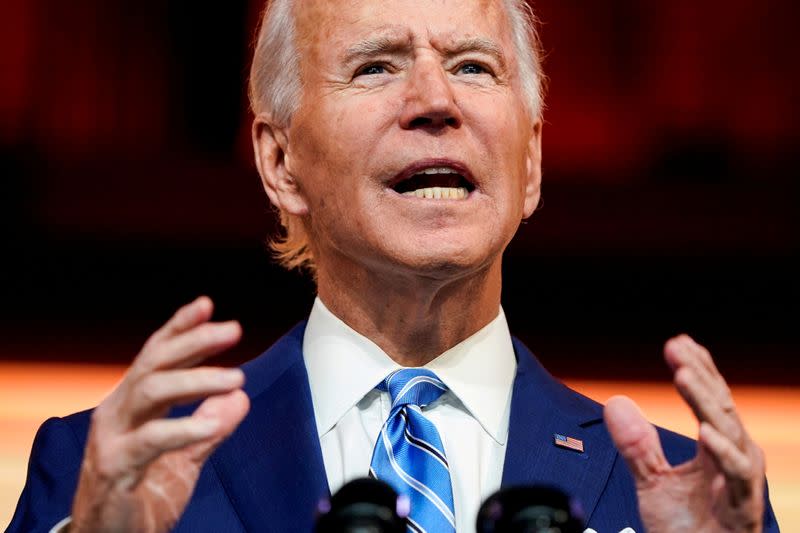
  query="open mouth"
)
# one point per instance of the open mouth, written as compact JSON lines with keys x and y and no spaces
{"x":435,"y":182}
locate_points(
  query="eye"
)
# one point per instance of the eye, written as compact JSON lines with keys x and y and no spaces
{"x":472,"y":68}
{"x":371,"y":70}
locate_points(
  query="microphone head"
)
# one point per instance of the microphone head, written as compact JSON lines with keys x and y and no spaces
{"x":530,"y":510}
{"x":364,"y":505}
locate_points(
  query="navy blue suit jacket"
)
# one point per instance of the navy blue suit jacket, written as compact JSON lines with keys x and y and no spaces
{"x":269,"y":475}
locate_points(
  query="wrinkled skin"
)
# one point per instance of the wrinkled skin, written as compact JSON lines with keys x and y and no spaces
{"x":429,"y":81}
{"x":139,"y":469}
{"x":722,"y":488}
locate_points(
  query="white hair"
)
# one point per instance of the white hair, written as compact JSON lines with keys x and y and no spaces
{"x":275,"y":82}
{"x":275,"y":88}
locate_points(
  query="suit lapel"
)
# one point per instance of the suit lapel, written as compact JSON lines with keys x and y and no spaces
{"x":272,"y":467}
{"x":541,"y":407}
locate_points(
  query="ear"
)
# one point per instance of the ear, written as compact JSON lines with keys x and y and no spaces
{"x":271,"y":146}
{"x":533,"y":183}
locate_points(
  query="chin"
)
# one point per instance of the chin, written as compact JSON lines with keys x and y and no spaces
{"x":444,"y":262}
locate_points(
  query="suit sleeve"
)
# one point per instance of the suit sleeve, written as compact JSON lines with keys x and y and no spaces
{"x":52,"y":478}
{"x":770,"y":522}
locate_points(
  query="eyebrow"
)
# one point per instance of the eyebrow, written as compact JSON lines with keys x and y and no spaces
{"x":477,"y":44}
{"x":392,"y":44}
{"x":374,"y":46}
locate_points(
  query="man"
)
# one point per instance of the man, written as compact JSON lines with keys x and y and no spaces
{"x":401,"y":142}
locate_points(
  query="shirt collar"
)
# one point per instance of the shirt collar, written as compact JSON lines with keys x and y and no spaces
{"x":343,"y":366}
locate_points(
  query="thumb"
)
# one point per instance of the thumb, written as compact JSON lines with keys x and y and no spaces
{"x":228,"y":410}
{"x":635,"y":438}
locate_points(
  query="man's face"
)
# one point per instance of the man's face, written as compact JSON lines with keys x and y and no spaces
{"x":405,"y":99}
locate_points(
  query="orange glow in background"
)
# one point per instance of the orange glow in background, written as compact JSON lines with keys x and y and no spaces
{"x":30,"y":393}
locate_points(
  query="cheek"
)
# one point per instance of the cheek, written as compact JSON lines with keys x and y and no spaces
{"x":514,"y":150}
{"x":361,"y":130}
{"x":328,"y":174}
{"x":345,"y":138}
{"x":504,"y":152}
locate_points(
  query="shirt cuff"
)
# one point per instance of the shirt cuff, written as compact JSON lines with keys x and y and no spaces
{"x":63,"y":526}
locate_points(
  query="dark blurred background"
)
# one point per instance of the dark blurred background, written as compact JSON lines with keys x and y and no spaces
{"x":670,"y":159}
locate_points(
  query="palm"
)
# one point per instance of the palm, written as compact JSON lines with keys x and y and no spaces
{"x":679,"y":500}
{"x":153,"y":498}
{"x":168,"y":485}
{"x":721,"y":489}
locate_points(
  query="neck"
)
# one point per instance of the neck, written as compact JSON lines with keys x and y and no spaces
{"x":412,"y":318}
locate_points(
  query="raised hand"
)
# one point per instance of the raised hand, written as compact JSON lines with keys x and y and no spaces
{"x":722,"y":488}
{"x":139,"y":469}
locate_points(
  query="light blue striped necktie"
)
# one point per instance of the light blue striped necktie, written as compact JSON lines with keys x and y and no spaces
{"x":409,"y":454}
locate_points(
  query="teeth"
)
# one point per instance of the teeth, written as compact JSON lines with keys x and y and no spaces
{"x":438,"y":170}
{"x":443,"y":193}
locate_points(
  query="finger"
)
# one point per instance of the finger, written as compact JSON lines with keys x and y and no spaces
{"x":187,"y":317}
{"x":159,"y":436}
{"x":683,"y":352}
{"x":636,"y":439}
{"x":156,"y":392}
{"x":702,"y":387}
{"x":190,"y":347}
{"x":683,"y":349}
{"x":739,"y":468}
{"x":229,"y":410}
{"x":707,"y":405}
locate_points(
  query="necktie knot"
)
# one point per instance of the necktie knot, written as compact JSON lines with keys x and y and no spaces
{"x":413,"y":386}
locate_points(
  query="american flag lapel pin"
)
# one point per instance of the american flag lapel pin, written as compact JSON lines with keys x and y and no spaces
{"x":568,"y":442}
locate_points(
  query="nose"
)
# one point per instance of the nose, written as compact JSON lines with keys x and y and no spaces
{"x":429,"y":101}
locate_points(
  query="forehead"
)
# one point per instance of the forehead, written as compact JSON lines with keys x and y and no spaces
{"x":326,"y":27}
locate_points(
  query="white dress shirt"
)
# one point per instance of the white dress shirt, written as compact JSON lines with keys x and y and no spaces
{"x":472,"y":416}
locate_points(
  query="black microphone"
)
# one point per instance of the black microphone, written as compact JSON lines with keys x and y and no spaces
{"x":363,"y":506}
{"x":530,"y":510}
